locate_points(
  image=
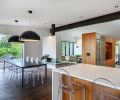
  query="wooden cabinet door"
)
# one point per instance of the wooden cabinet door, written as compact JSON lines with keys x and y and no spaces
{"x":89,"y":48}
{"x":105,"y":93}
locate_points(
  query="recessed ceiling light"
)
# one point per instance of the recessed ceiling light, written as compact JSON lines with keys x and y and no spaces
{"x":116,"y":6}
{"x":16,"y":21}
{"x":30,"y":11}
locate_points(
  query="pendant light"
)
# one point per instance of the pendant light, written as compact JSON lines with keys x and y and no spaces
{"x":15,"y":38}
{"x":29,"y":35}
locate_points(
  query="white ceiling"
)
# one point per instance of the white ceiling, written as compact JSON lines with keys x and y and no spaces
{"x":111,"y":28}
{"x":59,"y":12}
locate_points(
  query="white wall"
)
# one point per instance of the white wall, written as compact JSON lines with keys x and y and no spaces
{"x":58,"y":46}
{"x":118,"y":42}
{"x":49,"y":46}
{"x":31,"y":49}
{"x":78,"y":46}
{"x":71,"y":36}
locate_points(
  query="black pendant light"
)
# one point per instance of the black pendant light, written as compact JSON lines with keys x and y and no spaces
{"x":15,"y":38}
{"x":29,"y":35}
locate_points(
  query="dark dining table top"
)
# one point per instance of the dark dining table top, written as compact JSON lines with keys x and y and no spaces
{"x":22,"y":63}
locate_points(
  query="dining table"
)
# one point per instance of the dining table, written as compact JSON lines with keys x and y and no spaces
{"x":24,"y":64}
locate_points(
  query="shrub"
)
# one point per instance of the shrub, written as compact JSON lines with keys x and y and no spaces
{"x":9,"y":48}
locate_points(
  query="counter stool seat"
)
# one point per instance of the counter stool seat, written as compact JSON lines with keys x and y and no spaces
{"x":100,"y":94}
{"x":66,"y":85}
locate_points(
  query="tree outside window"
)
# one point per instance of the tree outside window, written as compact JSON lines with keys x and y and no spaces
{"x":12,"y":49}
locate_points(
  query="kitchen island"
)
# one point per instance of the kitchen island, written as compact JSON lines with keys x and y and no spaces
{"x":55,"y":65}
{"x":86,"y":74}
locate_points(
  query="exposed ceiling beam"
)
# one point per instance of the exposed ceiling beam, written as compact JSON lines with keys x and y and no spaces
{"x":96,"y":20}
{"x":52,"y":30}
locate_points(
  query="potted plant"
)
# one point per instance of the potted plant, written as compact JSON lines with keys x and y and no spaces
{"x":78,"y":57}
{"x":44,"y":58}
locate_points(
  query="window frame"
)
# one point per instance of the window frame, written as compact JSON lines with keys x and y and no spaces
{"x":66,"y":48}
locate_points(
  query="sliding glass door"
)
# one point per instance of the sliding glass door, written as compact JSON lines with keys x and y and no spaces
{"x":67,"y":48}
{"x":10,"y":50}
{"x":117,"y":53}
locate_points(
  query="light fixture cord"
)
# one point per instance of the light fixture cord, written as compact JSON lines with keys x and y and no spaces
{"x":29,"y":19}
{"x":30,"y":13}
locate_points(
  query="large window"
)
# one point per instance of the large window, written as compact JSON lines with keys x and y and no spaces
{"x":67,"y":48}
{"x":14,"y":50}
{"x":116,"y":53}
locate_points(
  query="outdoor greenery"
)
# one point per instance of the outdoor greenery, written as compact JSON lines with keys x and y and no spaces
{"x":14,"y":49}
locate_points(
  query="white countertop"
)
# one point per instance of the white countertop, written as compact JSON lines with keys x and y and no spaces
{"x":57,"y":63}
{"x":91,"y":72}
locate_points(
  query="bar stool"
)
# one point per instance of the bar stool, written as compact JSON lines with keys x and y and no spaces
{"x":99,"y":94}
{"x":67,"y":86}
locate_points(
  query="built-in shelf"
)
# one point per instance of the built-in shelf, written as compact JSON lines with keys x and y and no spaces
{"x":108,"y":50}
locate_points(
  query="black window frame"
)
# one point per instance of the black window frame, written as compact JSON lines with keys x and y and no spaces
{"x":66,"y":48}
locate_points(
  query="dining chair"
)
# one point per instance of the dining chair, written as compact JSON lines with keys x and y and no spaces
{"x":100,"y":94}
{"x":2,"y":73}
{"x":66,"y":85}
{"x":36,"y":72}
{"x":13,"y":74}
{"x":30,"y":74}
{"x":40,"y":74}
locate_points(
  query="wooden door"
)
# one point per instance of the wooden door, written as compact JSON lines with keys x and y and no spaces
{"x":89,"y":48}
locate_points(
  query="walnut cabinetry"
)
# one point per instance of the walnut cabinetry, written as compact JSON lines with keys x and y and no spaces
{"x":105,"y":93}
{"x":89,"y":48}
{"x":93,"y":92}
{"x":97,"y":49}
{"x":98,"y":80}
{"x":109,"y":51}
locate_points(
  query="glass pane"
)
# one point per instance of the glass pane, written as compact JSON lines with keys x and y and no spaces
{"x":67,"y":48}
{"x":18,"y":50}
{"x":71,"y":48}
{"x":10,"y":50}
{"x":116,"y":53}
{"x":63,"y":48}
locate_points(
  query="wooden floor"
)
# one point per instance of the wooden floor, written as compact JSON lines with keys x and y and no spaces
{"x":9,"y":91}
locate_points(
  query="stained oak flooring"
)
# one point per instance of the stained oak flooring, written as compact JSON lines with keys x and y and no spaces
{"x":11,"y":91}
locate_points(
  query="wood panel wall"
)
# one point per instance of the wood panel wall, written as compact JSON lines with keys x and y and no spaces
{"x":110,"y":62}
{"x":89,"y":48}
